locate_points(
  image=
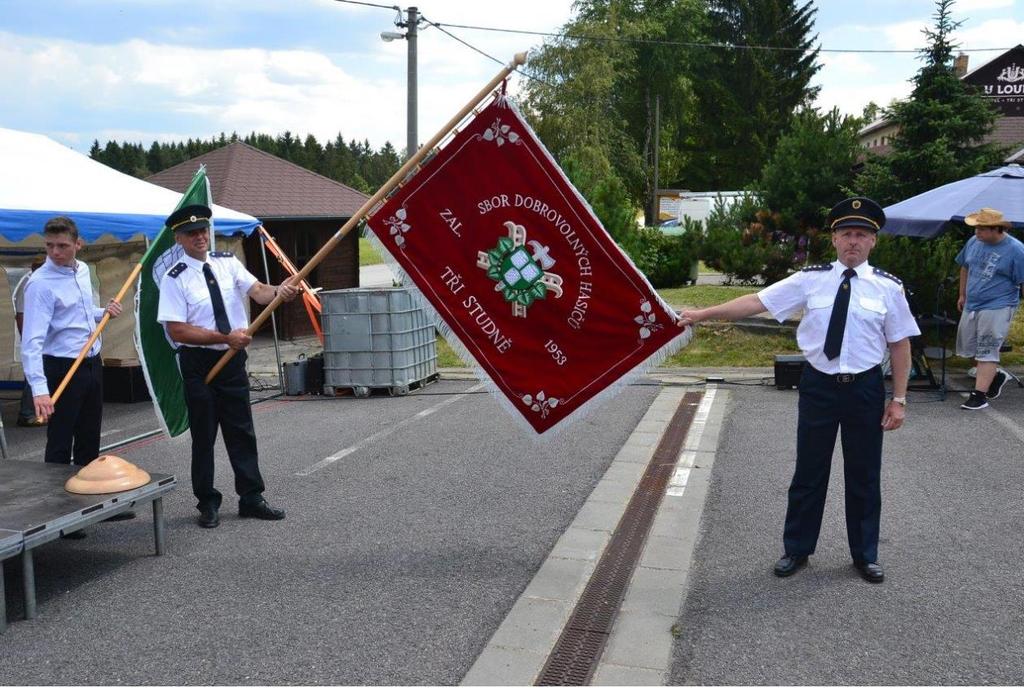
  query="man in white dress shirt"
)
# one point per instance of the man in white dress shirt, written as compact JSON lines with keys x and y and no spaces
{"x":852,"y":313}
{"x":60,"y":316}
{"x":202,"y":309}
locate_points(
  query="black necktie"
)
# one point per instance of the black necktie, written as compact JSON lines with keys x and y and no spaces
{"x":837,"y":323}
{"x":219,"y":313}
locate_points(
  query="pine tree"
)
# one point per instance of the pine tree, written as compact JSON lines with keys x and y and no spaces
{"x":747,"y":95}
{"x":940,"y":127}
{"x":594,"y":94}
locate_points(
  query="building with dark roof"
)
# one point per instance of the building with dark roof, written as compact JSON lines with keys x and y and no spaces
{"x":1000,"y":81}
{"x":299,"y":208}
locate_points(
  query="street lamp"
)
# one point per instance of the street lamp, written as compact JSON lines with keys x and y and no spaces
{"x":410,"y":25}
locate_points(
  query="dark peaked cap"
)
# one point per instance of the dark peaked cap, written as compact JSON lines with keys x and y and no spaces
{"x":856,"y":212}
{"x":188,"y":218}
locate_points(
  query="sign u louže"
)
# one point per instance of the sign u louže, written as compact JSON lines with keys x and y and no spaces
{"x":1001,"y":81}
{"x":520,"y":271}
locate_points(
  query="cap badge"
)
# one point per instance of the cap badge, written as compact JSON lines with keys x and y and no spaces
{"x":855,"y":204}
{"x":193,"y":218}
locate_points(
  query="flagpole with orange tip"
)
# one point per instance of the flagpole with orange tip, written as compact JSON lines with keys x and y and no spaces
{"x":395,"y":180}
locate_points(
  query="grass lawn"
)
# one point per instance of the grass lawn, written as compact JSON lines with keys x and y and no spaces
{"x":446,"y":357}
{"x":716,"y":344}
{"x":703,"y":295}
{"x":368,"y":255}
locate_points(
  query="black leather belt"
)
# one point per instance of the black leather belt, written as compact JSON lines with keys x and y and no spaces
{"x":847,"y":378}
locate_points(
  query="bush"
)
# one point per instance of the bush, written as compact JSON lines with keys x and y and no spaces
{"x":741,"y":243}
{"x":752,"y":245}
{"x":927,"y":268}
{"x":666,"y":260}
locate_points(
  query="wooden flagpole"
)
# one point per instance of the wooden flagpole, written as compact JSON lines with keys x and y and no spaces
{"x":396,"y":179}
{"x":96,"y":333}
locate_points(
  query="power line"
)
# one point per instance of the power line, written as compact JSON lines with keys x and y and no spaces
{"x":370,"y":4}
{"x":653,"y":41}
{"x":471,"y":47}
{"x":478,"y":50}
{"x":695,"y":44}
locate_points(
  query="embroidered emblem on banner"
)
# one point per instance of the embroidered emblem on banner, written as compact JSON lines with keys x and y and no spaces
{"x":522,"y":277}
{"x":523,"y":280}
{"x":398,"y":226}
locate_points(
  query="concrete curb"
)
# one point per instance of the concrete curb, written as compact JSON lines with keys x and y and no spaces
{"x":518,"y":649}
{"x":639,"y":650}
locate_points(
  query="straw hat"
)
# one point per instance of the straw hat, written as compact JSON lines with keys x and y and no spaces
{"x":106,"y":474}
{"x":987,"y":217}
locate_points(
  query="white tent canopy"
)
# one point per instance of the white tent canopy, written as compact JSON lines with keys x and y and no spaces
{"x":40,"y":178}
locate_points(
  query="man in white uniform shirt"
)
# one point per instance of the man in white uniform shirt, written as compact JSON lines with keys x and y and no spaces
{"x":202,"y":309}
{"x":60,"y":316}
{"x":852,"y":313}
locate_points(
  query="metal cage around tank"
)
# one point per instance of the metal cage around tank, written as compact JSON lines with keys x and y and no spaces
{"x":376,"y":338}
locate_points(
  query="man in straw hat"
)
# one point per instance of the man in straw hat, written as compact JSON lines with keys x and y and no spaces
{"x":991,"y":272}
{"x":853,"y":312}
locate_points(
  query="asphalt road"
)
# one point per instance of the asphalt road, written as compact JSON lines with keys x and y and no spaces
{"x":951,"y":610}
{"x":413,"y":525}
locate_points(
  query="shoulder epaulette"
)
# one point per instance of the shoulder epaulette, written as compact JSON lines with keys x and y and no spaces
{"x":816,"y":268}
{"x":221,"y":254}
{"x":882,"y":273}
{"x":176,"y":270}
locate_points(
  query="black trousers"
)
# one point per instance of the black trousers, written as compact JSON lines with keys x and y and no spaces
{"x":826,"y":406}
{"x":224,"y":403}
{"x":74,"y":427}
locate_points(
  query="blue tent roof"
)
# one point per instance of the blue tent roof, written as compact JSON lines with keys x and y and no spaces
{"x":41,"y":178}
{"x":928,"y":214}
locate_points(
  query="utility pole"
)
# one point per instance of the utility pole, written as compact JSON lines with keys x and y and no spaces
{"x":412,"y":140}
{"x":655,"y":205}
{"x":411,"y":25}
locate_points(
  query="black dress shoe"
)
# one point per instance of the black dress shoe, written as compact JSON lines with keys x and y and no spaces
{"x":870,"y":571}
{"x":208,"y":517}
{"x":788,"y":565}
{"x":261,"y":510}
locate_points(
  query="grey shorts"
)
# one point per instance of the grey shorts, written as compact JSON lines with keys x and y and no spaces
{"x":981,"y":333}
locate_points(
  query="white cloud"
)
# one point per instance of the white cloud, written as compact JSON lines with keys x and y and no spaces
{"x":906,"y":35}
{"x":967,"y":6}
{"x":993,"y":33}
{"x":229,"y":90}
{"x":852,"y":99}
{"x":842,"y":65}
{"x":201,"y":91}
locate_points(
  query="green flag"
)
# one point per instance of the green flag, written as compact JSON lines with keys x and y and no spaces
{"x":159,"y":363}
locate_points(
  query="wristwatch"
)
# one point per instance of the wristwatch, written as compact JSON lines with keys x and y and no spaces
{"x":902,"y":401}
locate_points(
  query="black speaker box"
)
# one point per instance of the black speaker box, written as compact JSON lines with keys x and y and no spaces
{"x":788,"y":368}
{"x":315,"y":374}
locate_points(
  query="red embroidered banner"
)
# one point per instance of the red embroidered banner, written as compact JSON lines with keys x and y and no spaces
{"x":522,"y":273}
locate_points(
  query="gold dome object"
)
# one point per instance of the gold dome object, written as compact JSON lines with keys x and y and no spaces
{"x":105,"y":474}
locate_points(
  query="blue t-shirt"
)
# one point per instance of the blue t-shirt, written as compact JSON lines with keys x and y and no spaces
{"x":994,"y":273}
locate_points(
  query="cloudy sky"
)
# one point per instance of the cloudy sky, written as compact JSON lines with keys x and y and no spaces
{"x":144,"y":70}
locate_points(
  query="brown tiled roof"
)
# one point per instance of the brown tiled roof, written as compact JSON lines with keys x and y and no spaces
{"x":263,"y":185}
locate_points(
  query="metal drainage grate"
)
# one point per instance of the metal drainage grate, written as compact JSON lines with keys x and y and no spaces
{"x":574,"y":658}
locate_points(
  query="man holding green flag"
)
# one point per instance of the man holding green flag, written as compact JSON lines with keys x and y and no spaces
{"x":202,"y":308}
{"x":158,"y":355}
